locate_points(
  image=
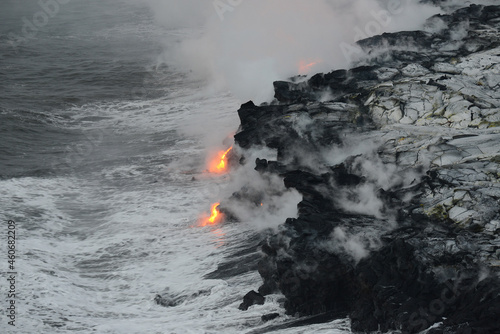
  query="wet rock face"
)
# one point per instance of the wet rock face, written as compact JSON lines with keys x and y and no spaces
{"x":250,"y":299}
{"x":399,"y":223}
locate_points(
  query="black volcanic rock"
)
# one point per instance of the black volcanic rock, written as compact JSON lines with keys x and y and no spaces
{"x":251,"y":298}
{"x":431,"y":46}
{"x":398,"y":226}
{"x":270,"y":316}
{"x":287,"y":92}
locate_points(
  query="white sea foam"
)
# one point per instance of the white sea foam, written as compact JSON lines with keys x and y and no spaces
{"x":116,"y":223}
{"x":121,"y":225}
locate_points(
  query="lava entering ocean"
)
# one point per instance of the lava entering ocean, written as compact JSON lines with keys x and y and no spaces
{"x":215,"y":216}
{"x":219,"y":163}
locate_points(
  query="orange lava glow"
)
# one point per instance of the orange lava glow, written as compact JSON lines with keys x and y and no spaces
{"x":219,"y":163}
{"x":215,"y":216}
{"x":305,"y":66}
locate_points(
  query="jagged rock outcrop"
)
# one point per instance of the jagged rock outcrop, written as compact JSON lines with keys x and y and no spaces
{"x":250,"y":299}
{"x":399,"y":172}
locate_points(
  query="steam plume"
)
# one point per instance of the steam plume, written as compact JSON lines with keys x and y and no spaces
{"x":246,"y":45}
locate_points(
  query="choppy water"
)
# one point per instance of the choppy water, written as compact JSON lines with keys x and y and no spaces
{"x":106,"y":184}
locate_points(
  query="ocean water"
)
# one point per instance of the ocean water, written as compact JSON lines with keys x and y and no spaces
{"x":106,"y":182}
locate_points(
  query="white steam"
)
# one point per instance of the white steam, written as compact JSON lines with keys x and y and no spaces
{"x":353,"y":245}
{"x":247,"y":44}
{"x":357,"y":244}
{"x":261,"y":201}
{"x":362,"y":199}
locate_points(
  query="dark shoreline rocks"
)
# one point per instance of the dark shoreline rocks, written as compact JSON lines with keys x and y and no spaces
{"x":251,"y":298}
{"x":402,"y":233}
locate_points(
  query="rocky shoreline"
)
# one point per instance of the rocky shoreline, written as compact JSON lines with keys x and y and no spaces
{"x":398,"y":164}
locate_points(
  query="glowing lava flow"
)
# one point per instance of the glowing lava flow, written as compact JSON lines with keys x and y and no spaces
{"x":219,"y":164}
{"x":305,"y":67}
{"x":215,"y":216}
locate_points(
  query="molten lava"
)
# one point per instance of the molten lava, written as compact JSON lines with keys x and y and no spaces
{"x":215,"y":216}
{"x":305,"y":67}
{"x":219,"y":164}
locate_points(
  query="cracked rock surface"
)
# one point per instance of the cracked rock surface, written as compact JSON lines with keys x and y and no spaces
{"x":398,"y":227}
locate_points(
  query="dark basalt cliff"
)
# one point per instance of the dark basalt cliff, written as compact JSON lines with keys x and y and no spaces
{"x":400,"y":232}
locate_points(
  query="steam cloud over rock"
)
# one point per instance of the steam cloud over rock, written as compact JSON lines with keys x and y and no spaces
{"x":397,"y":161}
